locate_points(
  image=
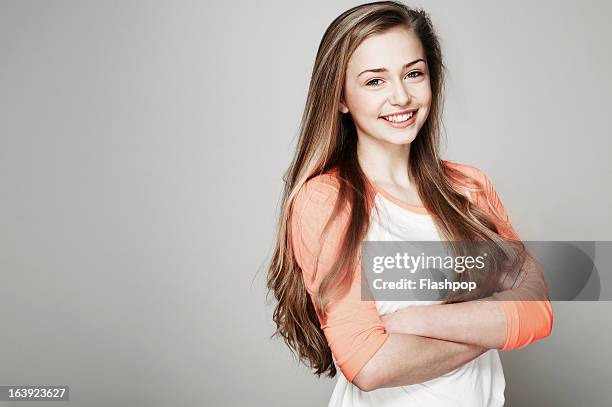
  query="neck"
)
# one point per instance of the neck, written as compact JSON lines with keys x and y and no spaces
{"x":383,"y":162}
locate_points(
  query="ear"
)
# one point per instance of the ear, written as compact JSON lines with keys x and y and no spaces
{"x":343,"y":108}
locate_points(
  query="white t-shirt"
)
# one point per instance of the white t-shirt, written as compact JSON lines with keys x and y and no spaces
{"x":479,"y":382}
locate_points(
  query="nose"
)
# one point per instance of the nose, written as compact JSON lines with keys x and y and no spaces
{"x":399,"y":96}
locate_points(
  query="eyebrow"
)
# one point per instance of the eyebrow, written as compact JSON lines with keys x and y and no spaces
{"x":386,"y":70}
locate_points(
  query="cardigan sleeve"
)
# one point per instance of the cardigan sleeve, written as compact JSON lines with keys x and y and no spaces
{"x":529,"y":314}
{"x":353,"y":328}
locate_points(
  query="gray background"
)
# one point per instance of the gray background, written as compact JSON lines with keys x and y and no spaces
{"x":142,"y":145}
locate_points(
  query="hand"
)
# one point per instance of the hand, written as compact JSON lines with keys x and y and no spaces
{"x":403,"y":321}
{"x":387,"y":320}
{"x":398,"y":321}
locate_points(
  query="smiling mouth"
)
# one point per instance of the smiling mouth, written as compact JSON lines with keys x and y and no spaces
{"x":400,"y":118}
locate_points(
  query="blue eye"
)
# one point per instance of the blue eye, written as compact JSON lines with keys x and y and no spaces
{"x":369,"y":82}
{"x":412,"y":75}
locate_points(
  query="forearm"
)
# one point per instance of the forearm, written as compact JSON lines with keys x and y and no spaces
{"x":481,"y":323}
{"x":484,"y":322}
{"x":408,"y":359}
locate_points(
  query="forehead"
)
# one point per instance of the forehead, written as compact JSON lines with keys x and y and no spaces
{"x":391,"y":49}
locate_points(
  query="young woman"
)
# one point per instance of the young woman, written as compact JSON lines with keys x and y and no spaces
{"x":367,"y":167}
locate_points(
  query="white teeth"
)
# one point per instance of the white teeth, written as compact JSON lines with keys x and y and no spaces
{"x":399,"y":118}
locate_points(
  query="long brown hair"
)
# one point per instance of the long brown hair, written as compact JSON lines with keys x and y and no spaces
{"x":328,"y":140}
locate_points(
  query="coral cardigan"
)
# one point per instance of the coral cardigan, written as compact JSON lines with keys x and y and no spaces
{"x":353,"y":328}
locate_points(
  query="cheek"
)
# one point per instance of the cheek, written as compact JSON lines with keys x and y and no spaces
{"x":366,"y":110}
{"x":366,"y":103}
{"x":427,"y":95}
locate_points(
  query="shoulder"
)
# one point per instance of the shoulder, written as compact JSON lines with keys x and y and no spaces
{"x":474,"y":182}
{"x":486,"y":197}
{"x":465,"y":171}
{"x":322,"y":189}
{"x":316,"y":200}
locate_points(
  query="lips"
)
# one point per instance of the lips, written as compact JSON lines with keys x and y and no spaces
{"x":399,"y":113}
{"x":402,"y":120}
{"x":400,"y":117}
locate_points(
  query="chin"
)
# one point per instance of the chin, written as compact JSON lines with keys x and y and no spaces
{"x":405,"y":136}
{"x":407,"y":140}
{"x":399,"y":139}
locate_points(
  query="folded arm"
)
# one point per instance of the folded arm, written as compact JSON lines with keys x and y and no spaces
{"x":510,"y":319}
{"x":482,"y":323}
{"x":367,"y":355}
{"x":409,"y":359}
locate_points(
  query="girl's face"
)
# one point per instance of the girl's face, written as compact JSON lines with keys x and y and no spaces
{"x":386,"y":75}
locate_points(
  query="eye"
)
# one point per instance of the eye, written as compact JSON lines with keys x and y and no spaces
{"x":369,"y":83}
{"x":414,"y":74}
